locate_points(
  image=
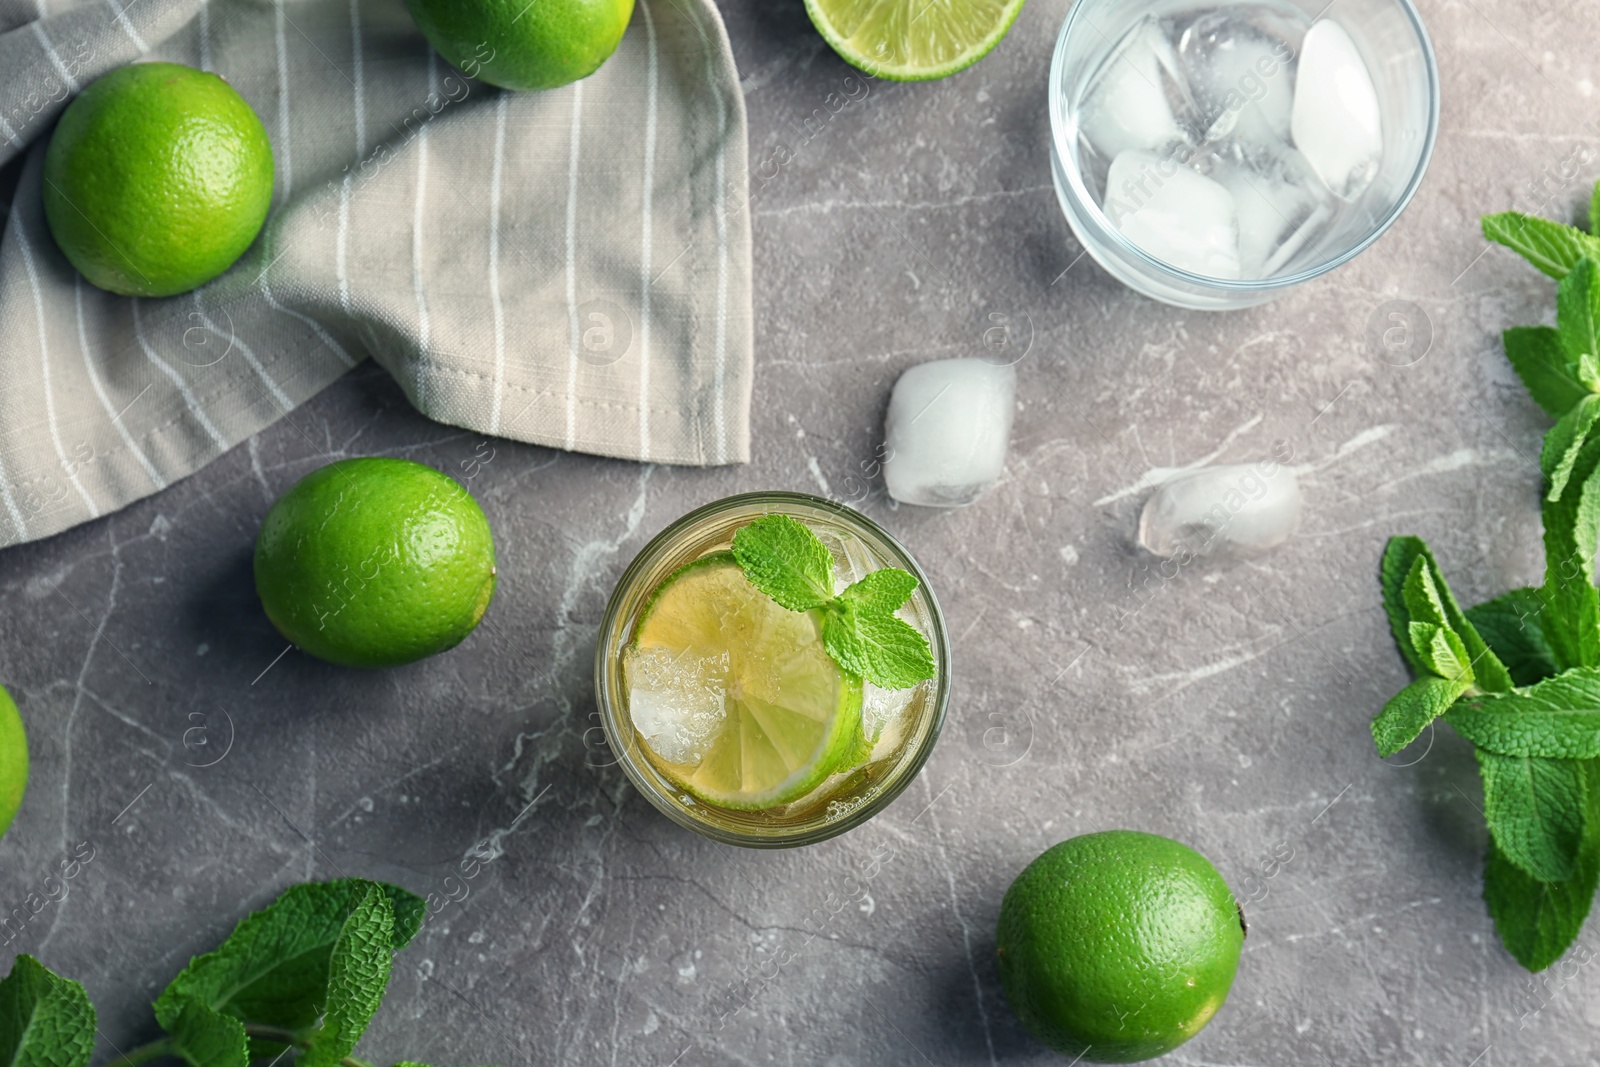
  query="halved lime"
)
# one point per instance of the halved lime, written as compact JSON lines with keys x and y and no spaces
{"x":913,"y":40}
{"x":733,"y":695}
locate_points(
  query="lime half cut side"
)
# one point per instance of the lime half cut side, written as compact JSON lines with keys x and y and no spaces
{"x":733,"y":695}
{"x":913,"y":40}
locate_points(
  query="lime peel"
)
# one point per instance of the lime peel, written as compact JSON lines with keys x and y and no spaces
{"x":913,"y":40}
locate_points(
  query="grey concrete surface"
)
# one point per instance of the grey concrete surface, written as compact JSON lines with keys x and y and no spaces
{"x":1227,"y":707}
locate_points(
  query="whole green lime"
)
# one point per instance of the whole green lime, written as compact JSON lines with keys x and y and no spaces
{"x":157,"y":179}
{"x":524,"y":44}
{"x":1118,"y":947}
{"x":13,"y":761}
{"x":375,"y":562}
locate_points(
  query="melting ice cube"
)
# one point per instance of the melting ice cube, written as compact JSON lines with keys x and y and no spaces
{"x":676,"y":700}
{"x":1336,"y":122}
{"x":1178,"y":216}
{"x":1282,"y":205}
{"x":947,"y":431}
{"x":1226,"y":512}
{"x":1240,"y":68}
{"x":1137,"y":100}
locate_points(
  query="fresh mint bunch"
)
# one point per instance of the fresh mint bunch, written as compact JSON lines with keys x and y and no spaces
{"x":306,"y":972}
{"x":783,"y":558}
{"x":1519,"y":676}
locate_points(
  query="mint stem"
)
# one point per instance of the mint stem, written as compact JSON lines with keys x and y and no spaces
{"x":155,"y":1050}
{"x":162,"y":1049}
{"x":289,"y":1037}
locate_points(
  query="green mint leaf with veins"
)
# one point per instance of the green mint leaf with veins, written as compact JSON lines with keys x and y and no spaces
{"x":1409,"y":711}
{"x":782,"y":557}
{"x":1578,"y":316}
{"x":1564,"y":443}
{"x":1398,"y":556}
{"x":358,"y":976}
{"x":205,"y":1038}
{"x":1424,"y":596}
{"x":1538,"y":921}
{"x":1551,"y":378}
{"x":1550,"y":246}
{"x":274,"y":968}
{"x":1557,"y":719}
{"x":45,"y":1020}
{"x":885,"y":650}
{"x":1510,"y":626}
{"x":882,"y":592}
{"x":788,"y":562}
{"x":1571,"y":614}
{"x":1441,"y":650}
{"x":1536,"y":811}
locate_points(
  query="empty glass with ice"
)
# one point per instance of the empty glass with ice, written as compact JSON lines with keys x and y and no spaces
{"x":1213,"y":155}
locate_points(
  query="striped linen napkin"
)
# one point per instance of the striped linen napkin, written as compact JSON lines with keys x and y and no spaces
{"x":569,"y":268}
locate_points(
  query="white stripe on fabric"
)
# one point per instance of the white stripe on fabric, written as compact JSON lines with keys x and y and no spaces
{"x":340,"y":243}
{"x":574,"y":329}
{"x":644,"y":255}
{"x":177,"y":379}
{"x":495,"y":181}
{"x":100,"y":391}
{"x":54,"y":427}
{"x":720,"y":345}
{"x":424,"y":326}
{"x":282,"y":151}
{"x":55,"y":60}
{"x":359,"y":79}
{"x":205,"y":34}
{"x":127,"y":26}
{"x":244,"y":350}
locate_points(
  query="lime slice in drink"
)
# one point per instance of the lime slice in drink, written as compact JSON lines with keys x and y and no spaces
{"x":733,"y":694}
{"x":913,"y":40}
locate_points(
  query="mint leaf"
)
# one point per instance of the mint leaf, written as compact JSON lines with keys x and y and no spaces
{"x":1538,"y":921}
{"x":1409,"y":711}
{"x":1398,"y":556}
{"x":1578,"y":316}
{"x":1557,"y":719}
{"x":881,"y":592}
{"x":1571,"y":615}
{"x":274,"y":968}
{"x":786,"y":561}
{"x":1552,"y":247}
{"x":358,"y":976}
{"x":1594,"y":210}
{"x":1441,"y":650}
{"x":1426,"y":597}
{"x":205,"y":1038}
{"x":1552,"y":380}
{"x":1510,"y":625}
{"x":885,"y":650}
{"x":1565,"y":441}
{"x":45,"y":1020}
{"x":1536,"y":811}
{"x":1422,"y":595}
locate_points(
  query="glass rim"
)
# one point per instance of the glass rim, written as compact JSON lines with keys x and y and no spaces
{"x":1080,"y":191}
{"x":906,"y":769}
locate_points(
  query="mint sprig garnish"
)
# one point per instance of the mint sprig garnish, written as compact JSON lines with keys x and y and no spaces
{"x":1519,"y":675}
{"x":306,"y":972}
{"x":787,"y":561}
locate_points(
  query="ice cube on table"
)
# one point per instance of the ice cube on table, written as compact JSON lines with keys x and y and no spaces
{"x":676,"y":700}
{"x":1282,"y":205}
{"x":1239,"y":65}
{"x":1336,"y":122}
{"x":947,"y":431}
{"x":1234,"y":511}
{"x":1177,"y":215}
{"x":1138,"y":96}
